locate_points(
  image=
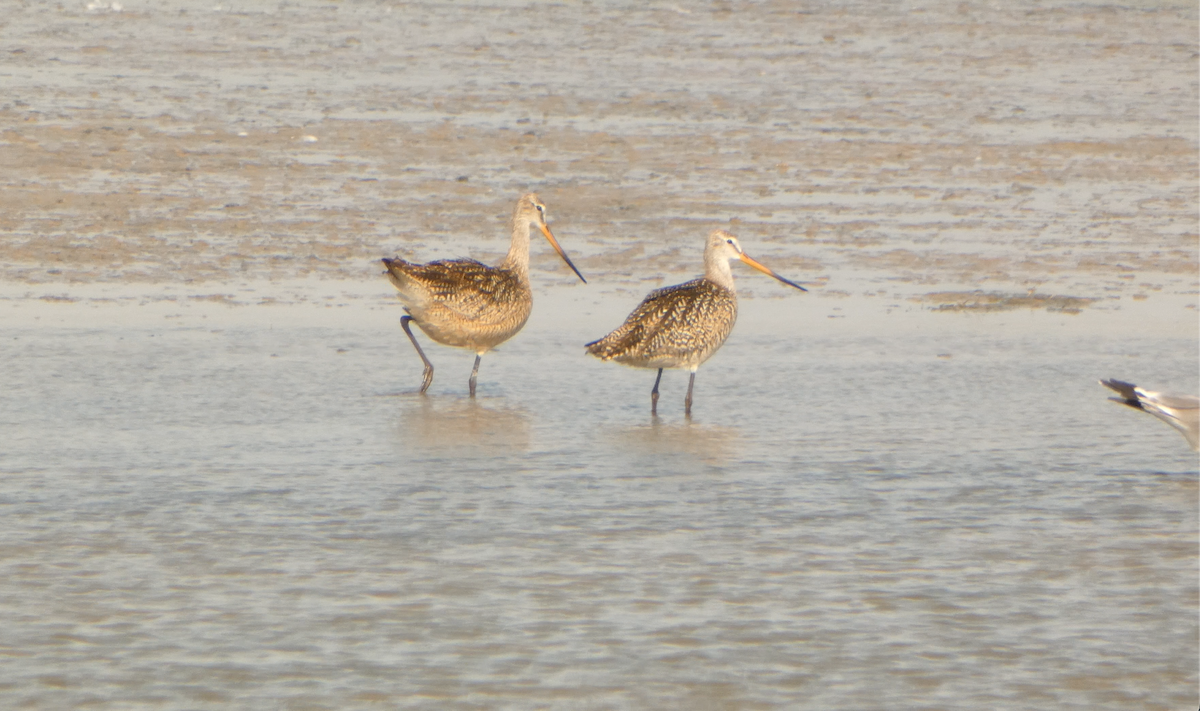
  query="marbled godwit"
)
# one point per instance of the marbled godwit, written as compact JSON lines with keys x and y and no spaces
{"x":1179,"y":411}
{"x":681,"y":326}
{"x":466,"y":304}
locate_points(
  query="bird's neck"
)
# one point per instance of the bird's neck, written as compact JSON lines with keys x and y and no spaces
{"x":718,"y":272}
{"x":517,"y":258}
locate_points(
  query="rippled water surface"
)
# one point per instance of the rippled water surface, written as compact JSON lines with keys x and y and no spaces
{"x":903,"y":489}
{"x":266,"y":515}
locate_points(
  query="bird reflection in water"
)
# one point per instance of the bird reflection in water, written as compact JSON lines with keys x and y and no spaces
{"x":711,"y":444}
{"x":463,"y":426}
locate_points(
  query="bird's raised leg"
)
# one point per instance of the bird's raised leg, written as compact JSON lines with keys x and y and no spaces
{"x":687,"y":401}
{"x":428,"y":375}
{"x":654,"y":394}
{"x":474,"y":372}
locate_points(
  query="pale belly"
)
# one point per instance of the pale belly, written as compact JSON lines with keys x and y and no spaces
{"x":480,"y":334}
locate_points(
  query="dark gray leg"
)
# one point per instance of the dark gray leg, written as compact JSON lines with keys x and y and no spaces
{"x":687,"y":401}
{"x":474,"y":372}
{"x":428,"y":375}
{"x":654,"y":394}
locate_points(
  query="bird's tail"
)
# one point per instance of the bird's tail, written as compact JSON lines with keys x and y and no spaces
{"x":397,"y":273}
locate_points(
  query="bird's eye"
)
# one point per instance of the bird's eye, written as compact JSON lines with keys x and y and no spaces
{"x":729,"y":241}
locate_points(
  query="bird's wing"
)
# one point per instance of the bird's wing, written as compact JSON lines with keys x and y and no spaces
{"x":1180,"y":411}
{"x":1169,"y":400}
{"x":469,"y":288}
{"x":668,"y":323}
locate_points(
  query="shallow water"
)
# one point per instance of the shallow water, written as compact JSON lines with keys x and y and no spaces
{"x":268,"y":514}
{"x":219,"y":486}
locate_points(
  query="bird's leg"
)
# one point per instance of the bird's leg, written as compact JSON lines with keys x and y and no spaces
{"x":654,"y":394}
{"x":474,"y":372}
{"x":687,"y":401}
{"x":427,"y":377}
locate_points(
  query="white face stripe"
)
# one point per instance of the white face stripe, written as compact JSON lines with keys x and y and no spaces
{"x":730,"y":243}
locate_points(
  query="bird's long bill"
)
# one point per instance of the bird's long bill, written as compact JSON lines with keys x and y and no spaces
{"x":766,"y":270}
{"x":554,"y":243}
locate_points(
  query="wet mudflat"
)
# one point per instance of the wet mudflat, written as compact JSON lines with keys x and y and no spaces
{"x":219,"y":485}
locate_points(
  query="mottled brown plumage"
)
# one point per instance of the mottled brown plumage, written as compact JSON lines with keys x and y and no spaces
{"x":466,"y":304}
{"x":674,"y":327}
{"x":681,"y":326}
{"x":461,"y":302}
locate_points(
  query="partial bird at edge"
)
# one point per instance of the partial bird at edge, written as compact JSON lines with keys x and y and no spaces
{"x":1179,"y":411}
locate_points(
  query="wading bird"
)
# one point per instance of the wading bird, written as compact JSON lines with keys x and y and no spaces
{"x":466,"y":304}
{"x":681,"y":326}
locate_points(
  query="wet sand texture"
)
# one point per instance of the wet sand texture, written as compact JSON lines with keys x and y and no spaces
{"x":944,"y":147}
